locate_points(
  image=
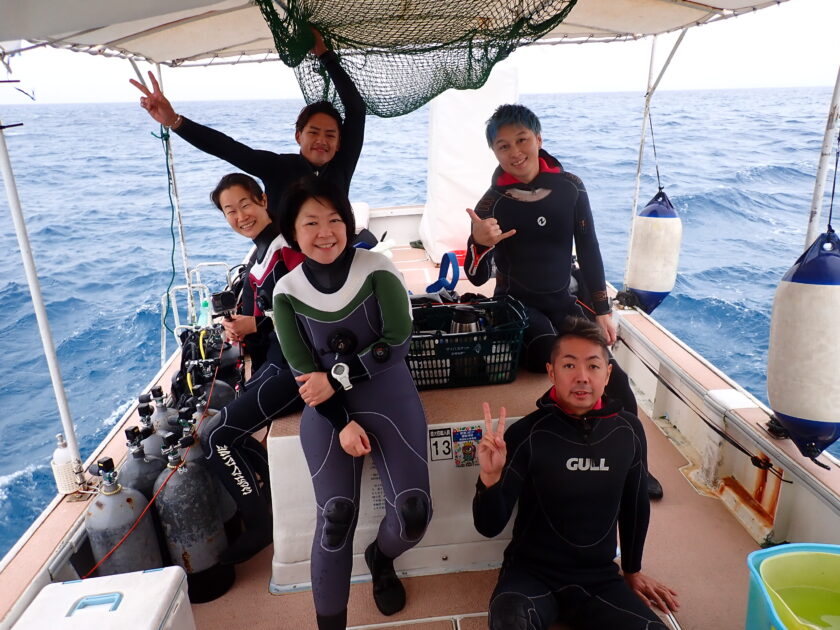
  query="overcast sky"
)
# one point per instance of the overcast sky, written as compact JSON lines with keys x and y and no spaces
{"x":793,"y":44}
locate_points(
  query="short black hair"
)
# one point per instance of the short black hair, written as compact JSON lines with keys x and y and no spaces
{"x":318,"y":107}
{"x":583,"y":329}
{"x":321,"y":189}
{"x":236,"y":179}
{"x":511,"y":115}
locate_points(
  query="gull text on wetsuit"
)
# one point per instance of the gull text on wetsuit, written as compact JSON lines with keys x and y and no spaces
{"x":583,"y":463}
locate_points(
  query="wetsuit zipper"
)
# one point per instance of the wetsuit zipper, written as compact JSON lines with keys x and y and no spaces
{"x":587,"y":428}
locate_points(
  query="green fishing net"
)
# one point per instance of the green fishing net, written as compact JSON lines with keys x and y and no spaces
{"x":403,"y":53}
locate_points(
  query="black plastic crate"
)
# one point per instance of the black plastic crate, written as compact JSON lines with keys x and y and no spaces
{"x":438,"y":358}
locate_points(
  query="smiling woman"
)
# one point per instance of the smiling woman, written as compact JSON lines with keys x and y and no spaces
{"x":243,"y":203}
{"x":240,"y":461}
{"x":344,"y":320}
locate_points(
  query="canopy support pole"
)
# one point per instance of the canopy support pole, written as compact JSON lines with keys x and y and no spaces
{"x":822,"y":169}
{"x":40,"y":309}
{"x":176,"y":202}
{"x":651,"y":88}
{"x":191,"y":314}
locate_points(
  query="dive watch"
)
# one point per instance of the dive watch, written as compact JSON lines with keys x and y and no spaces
{"x":341,"y":373}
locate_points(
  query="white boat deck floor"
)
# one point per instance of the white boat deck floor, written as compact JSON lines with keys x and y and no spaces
{"x":693,"y":543}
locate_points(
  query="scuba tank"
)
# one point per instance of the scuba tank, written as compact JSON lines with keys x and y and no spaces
{"x":223,"y":393}
{"x":188,"y":418}
{"x":139,"y":471}
{"x":189,"y":513}
{"x":200,"y":403}
{"x":162,"y":414}
{"x":153,"y":443}
{"x":109,"y":516}
{"x":187,"y":425}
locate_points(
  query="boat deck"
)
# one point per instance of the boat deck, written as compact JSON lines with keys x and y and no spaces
{"x":693,"y":544}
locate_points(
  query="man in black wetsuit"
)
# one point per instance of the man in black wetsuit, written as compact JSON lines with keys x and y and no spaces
{"x":523,"y":228}
{"x":328,"y":147}
{"x":577,"y":467}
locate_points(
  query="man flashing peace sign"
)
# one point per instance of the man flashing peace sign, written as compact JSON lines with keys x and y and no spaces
{"x":492,"y":450}
{"x":576,"y":467}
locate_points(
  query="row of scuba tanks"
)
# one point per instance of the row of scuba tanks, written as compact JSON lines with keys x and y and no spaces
{"x":192,"y":519}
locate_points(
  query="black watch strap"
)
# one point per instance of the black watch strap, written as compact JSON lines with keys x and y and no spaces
{"x":334,"y":382}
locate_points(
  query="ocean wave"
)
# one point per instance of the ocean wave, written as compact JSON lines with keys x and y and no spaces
{"x":10,"y":479}
{"x":118,"y":413}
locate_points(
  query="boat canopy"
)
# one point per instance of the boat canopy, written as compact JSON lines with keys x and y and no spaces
{"x":197,"y":32}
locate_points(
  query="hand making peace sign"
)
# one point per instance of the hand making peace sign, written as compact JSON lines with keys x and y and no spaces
{"x":492,"y":450}
{"x":156,"y":103}
{"x":487,"y":232}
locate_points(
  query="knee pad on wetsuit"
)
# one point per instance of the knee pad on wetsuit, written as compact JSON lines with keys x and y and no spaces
{"x":414,"y":513}
{"x":510,"y":611}
{"x":338,"y":517}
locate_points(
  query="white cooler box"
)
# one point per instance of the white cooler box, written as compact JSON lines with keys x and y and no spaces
{"x":451,"y":542}
{"x":144,"y":600}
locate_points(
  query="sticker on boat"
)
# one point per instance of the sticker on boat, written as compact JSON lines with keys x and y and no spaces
{"x":465,"y":442}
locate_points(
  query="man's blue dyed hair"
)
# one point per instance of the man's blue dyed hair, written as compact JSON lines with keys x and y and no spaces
{"x":511,"y":115}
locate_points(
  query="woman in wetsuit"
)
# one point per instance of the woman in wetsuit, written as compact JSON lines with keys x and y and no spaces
{"x":344,"y":321}
{"x":239,"y":460}
{"x":329,"y":147}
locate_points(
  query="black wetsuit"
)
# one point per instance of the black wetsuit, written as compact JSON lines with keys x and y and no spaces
{"x":576,"y":480}
{"x":231,"y":451}
{"x":361,"y":298}
{"x":276,"y":170}
{"x":535,"y":264}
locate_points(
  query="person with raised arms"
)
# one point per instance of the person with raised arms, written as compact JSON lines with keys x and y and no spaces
{"x":329,"y":147}
{"x":523,"y":229}
{"x":576,"y":466}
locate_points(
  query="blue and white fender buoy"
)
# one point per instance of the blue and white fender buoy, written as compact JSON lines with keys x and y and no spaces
{"x":654,"y":252}
{"x":803,"y":363}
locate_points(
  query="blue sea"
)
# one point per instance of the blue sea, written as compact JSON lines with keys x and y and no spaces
{"x":738,"y":165}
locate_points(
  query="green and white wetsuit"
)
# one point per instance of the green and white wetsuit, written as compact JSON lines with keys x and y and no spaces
{"x":360,"y":316}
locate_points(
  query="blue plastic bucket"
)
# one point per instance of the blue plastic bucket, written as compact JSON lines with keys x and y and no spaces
{"x":794,"y":587}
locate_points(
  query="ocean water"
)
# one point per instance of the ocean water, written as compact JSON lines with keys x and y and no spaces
{"x":738,"y":165}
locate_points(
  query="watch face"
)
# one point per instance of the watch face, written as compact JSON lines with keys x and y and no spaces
{"x":339,"y":369}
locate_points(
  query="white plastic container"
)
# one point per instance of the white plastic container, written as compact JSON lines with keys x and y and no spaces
{"x":62,"y":467}
{"x":143,"y":600}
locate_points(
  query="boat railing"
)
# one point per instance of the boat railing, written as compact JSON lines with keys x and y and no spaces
{"x":196,"y":289}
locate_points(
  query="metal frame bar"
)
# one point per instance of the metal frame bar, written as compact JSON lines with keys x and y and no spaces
{"x":822,"y":168}
{"x":177,"y":203}
{"x":651,"y":88}
{"x":39,"y":307}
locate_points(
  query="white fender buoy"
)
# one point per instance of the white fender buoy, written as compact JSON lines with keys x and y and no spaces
{"x":654,"y":252}
{"x":803,"y":363}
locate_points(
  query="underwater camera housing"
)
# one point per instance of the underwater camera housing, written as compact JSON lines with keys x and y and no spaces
{"x":223,"y":303}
